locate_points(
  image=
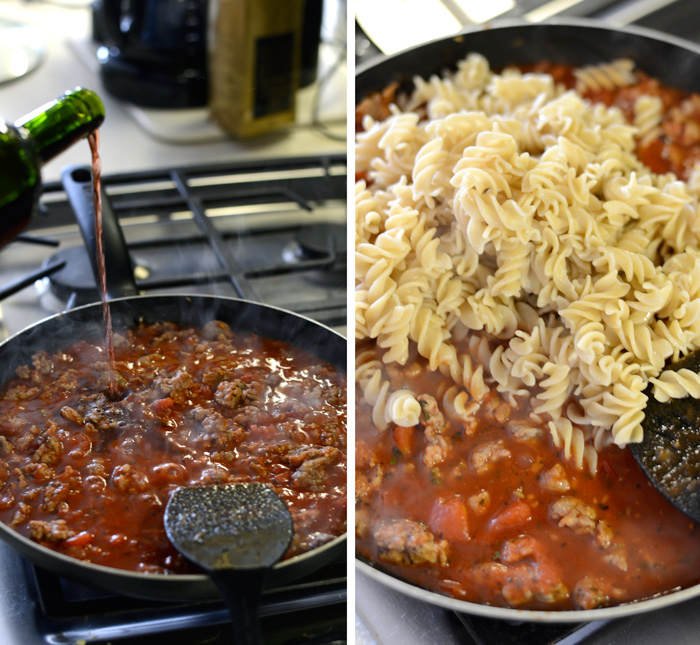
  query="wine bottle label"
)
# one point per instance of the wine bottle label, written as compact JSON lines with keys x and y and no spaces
{"x":255,"y":64}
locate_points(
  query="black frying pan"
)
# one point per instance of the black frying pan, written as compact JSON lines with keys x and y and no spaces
{"x":86,"y":323}
{"x":577,"y":42}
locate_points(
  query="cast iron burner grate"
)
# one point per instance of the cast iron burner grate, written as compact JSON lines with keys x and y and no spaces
{"x":272,"y":231}
{"x":487,"y":631}
{"x":310,"y":610}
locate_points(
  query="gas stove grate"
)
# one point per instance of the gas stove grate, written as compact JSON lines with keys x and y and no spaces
{"x":234,"y":229}
{"x":488,"y":631}
{"x":71,"y":612}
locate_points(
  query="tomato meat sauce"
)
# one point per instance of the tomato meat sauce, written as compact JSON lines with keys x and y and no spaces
{"x":676,"y":147}
{"x":87,"y":470}
{"x":502,"y":518}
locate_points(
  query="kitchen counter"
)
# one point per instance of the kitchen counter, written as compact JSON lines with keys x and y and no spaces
{"x":133,"y":139}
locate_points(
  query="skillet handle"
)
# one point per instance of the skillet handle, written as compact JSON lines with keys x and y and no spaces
{"x":77,"y":182}
{"x":241,"y":590}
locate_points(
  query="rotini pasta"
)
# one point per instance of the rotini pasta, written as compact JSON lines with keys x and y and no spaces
{"x":506,"y":208}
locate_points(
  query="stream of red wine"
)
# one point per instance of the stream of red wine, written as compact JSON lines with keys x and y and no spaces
{"x":94,"y":140}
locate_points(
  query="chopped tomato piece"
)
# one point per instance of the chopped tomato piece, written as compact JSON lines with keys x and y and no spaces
{"x":161,"y":405}
{"x":404,"y":439}
{"x":81,"y":539}
{"x":514,"y":514}
{"x":448,"y":519}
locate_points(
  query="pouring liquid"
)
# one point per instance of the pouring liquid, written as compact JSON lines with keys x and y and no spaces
{"x":94,"y":141}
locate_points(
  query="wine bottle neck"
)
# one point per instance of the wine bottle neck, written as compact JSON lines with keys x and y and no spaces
{"x":58,"y":124}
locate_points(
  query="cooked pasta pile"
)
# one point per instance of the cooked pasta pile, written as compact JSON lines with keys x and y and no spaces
{"x":508,"y":230}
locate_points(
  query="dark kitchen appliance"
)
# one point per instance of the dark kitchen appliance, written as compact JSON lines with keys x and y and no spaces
{"x":154,"y":52}
{"x":237,"y":229}
{"x":243,"y":59}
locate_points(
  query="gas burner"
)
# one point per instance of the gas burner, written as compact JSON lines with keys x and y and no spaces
{"x":75,"y":282}
{"x":322,"y":240}
{"x":309,"y":611}
{"x":323,"y":249}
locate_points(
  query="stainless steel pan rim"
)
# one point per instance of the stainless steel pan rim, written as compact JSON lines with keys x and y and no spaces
{"x":458,"y":45}
{"x":526,"y":615}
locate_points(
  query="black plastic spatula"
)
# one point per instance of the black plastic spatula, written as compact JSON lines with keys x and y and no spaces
{"x":669,"y":454}
{"x":235,"y":533}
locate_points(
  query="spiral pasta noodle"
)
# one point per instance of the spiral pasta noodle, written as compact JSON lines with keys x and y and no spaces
{"x":676,"y":385}
{"x":506,"y":230}
{"x":400,"y":407}
{"x":605,"y":76}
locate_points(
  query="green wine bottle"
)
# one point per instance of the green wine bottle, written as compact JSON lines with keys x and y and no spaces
{"x":32,"y":141}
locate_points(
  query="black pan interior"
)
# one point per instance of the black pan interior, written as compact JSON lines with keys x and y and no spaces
{"x":579,"y":44}
{"x":86,"y":323}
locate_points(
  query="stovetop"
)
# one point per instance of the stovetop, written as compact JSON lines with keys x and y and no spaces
{"x":310,"y":608}
{"x":39,"y":607}
{"x":272,"y":231}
